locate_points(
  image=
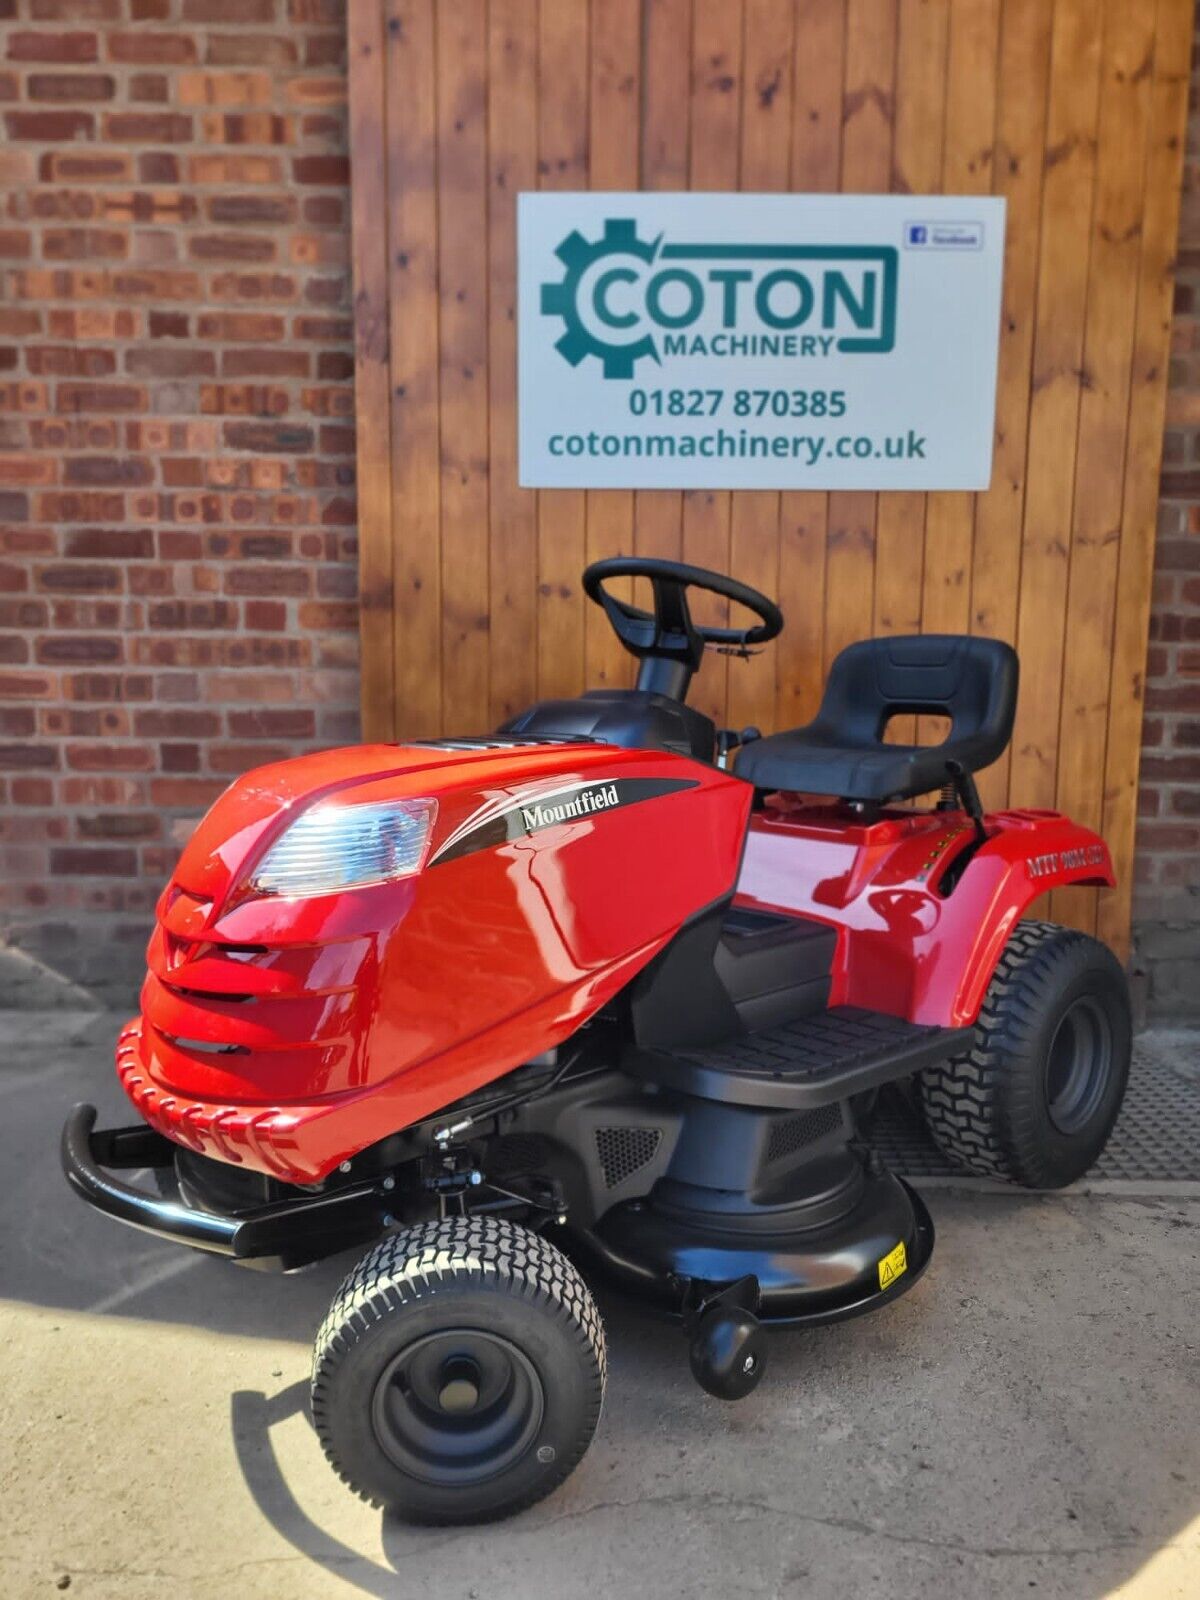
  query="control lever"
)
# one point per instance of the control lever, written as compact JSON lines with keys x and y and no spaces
{"x":728,"y":741}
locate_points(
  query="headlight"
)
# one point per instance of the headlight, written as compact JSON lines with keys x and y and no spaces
{"x":331,"y":847}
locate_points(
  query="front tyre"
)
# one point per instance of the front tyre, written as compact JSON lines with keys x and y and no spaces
{"x":1035,"y":1097}
{"x":460,"y":1372}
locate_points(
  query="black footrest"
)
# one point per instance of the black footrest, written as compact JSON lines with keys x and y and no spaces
{"x":806,"y":1063}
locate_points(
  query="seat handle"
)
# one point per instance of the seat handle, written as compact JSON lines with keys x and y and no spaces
{"x":968,"y":796}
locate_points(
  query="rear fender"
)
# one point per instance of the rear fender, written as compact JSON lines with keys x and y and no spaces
{"x":917,"y":939}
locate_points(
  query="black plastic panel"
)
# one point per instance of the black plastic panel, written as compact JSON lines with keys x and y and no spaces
{"x":637,"y":719}
{"x":802,"y":1064}
{"x":729,"y":972}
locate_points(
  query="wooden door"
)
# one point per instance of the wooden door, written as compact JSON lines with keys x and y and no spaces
{"x":1072,"y":109}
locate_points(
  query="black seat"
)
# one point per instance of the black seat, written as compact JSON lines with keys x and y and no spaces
{"x":841,"y":752}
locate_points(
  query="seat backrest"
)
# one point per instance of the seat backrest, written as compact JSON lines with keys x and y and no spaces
{"x":970,"y":680}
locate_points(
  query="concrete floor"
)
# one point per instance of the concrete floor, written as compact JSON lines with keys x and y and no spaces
{"x":1025,"y":1421}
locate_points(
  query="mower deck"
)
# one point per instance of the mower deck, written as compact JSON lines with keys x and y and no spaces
{"x":803,"y":1064}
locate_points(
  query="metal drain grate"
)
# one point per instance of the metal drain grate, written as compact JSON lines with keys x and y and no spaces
{"x":1156,"y":1139}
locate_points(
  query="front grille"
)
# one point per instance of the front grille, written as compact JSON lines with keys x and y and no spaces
{"x":624,"y":1151}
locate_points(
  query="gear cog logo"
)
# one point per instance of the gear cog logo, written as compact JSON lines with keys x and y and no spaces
{"x":579,"y":256}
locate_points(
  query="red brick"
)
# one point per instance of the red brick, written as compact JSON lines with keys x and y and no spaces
{"x":120,"y":825}
{"x":64,"y":47}
{"x":79,"y":861}
{"x":268,"y":616}
{"x":90,"y":397}
{"x":25,"y":757}
{"x":175,"y":723}
{"x":32,"y":791}
{"x":94,"y":322}
{"x":75,"y":10}
{"x":299,"y":723}
{"x":258,"y":210}
{"x":280,"y":363}
{"x":247,"y":11}
{"x":250,"y":50}
{"x":329,"y":170}
{"x":170,"y":362}
{"x":243,"y":400}
{"x":157,"y":166}
{"x":17,"y":722}
{"x":95,"y":470}
{"x":109,"y":758}
{"x":148,"y":127}
{"x":268,"y":437}
{"x":85,"y":166}
{"x":234,"y":167}
{"x":147,"y":47}
{"x":256,"y":248}
{"x":78,"y":579}
{"x":70,"y":88}
{"x":69,"y":361}
{"x":191,"y":793}
{"x":246,"y":127}
{"x":50,"y":127}
{"x":231,"y":326}
{"x":77,"y":650}
{"x":151,"y":87}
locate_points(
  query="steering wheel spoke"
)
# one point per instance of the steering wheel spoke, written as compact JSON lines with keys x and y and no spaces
{"x":668,"y":642}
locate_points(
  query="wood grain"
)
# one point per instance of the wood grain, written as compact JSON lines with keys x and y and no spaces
{"x":562,"y":513}
{"x":512,"y":511}
{"x":1067,"y":194}
{"x":368,"y":120}
{"x":413,"y":270}
{"x":461,"y":45}
{"x":1125,"y":81}
{"x":1143,"y":456}
{"x":1023,"y":82}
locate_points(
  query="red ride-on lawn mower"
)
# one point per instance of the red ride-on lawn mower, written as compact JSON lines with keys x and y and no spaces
{"x":576,"y":992}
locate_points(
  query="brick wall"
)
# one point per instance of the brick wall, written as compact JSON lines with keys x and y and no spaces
{"x":1167,"y":894}
{"x":177,"y":560}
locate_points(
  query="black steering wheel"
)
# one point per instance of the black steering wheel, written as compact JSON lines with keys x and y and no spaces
{"x":668,"y":635}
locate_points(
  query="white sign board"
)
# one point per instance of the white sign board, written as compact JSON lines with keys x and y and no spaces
{"x":758,"y":341}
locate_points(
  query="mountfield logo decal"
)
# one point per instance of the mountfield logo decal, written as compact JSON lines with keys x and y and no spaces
{"x":505,"y":818}
{"x":582,"y":804}
{"x":625,"y":299}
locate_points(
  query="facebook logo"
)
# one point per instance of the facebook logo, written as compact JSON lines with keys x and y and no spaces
{"x":918,"y":233}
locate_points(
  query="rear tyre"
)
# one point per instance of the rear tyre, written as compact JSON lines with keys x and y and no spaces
{"x":1035,"y":1097}
{"x":460,"y":1372}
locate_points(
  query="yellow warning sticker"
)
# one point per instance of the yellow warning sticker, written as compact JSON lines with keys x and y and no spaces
{"x":892,"y":1265}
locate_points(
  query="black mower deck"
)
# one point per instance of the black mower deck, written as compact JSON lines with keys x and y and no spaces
{"x":805,"y":1063}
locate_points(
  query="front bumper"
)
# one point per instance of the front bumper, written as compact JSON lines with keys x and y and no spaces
{"x":281,"y":1236}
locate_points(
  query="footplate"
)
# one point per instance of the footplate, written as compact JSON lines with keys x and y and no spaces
{"x":802,"y":1064}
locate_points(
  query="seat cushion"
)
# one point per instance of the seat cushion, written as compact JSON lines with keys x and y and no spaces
{"x":796,"y":761}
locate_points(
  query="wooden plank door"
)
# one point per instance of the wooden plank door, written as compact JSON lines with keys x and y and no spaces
{"x":1074,"y":110}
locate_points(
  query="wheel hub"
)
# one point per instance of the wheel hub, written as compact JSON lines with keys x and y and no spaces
{"x":1078,"y":1065}
{"x":457,"y":1407}
{"x":460,"y":1385}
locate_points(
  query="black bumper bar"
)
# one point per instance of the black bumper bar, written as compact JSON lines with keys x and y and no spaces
{"x":289,"y":1233}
